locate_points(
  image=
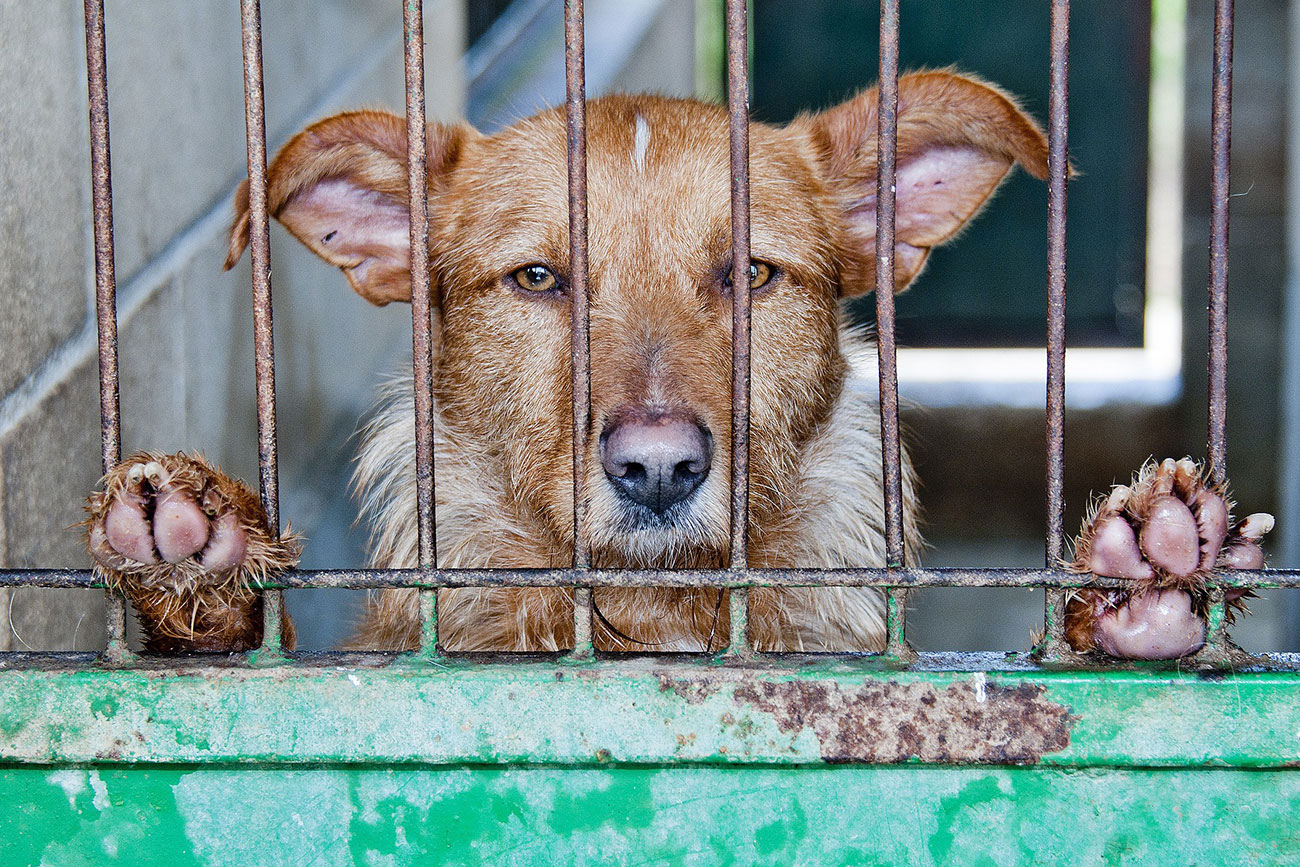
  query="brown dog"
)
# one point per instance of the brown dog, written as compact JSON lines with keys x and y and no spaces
{"x":660,"y":347}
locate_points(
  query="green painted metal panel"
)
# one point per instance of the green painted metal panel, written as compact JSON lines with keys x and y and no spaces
{"x":648,"y":712}
{"x":647,"y":816}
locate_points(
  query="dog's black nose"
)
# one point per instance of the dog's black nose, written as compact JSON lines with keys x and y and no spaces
{"x":656,"y":460}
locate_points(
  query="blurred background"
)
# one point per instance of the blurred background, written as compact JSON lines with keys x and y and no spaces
{"x":972,"y":327}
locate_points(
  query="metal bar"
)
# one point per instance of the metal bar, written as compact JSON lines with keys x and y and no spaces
{"x":102,"y":197}
{"x":429,"y":623}
{"x":575,"y":113}
{"x":421,"y":312}
{"x":101,"y":182}
{"x":1221,"y":126}
{"x":259,"y":242}
{"x":421,"y":300}
{"x":738,"y":609}
{"x":575,"y":107}
{"x":896,"y":624}
{"x":582,"y":644}
{"x":263,"y":342}
{"x":738,"y":109}
{"x":382,"y":579}
{"x":1058,"y":181}
{"x":886,"y":347}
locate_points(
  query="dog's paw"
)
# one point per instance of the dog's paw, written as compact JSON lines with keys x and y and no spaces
{"x":1167,"y":534}
{"x":182,"y":540}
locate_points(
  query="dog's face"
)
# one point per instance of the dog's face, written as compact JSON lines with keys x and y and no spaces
{"x":660,"y":284}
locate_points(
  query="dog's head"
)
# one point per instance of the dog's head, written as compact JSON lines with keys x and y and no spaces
{"x":660,"y":283}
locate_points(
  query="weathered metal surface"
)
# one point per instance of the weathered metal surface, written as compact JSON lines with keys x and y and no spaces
{"x":575,"y":120}
{"x":644,"y":711}
{"x":417,"y":190}
{"x":1220,"y":199}
{"x":891,"y":454}
{"x":738,"y":120}
{"x":889,"y":722}
{"x":378,"y":579}
{"x":101,"y":177}
{"x":652,"y":816}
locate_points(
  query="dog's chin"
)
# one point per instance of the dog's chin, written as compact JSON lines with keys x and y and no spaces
{"x":685,"y":535}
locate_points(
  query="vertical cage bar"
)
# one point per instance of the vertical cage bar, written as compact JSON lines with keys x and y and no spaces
{"x":738,"y":111}
{"x":1058,"y":171}
{"x":421,"y":300}
{"x":429,"y":623}
{"x":105,"y":285}
{"x":1217,"y":362}
{"x":738,"y":108}
{"x":102,"y":197}
{"x":421,"y":312}
{"x":1058,"y":161}
{"x":250,"y":14}
{"x":1221,"y":144}
{"x":738,"y":611}
{"x":886,"y":347}
{"x":575,"y":112}
{"x":896,"y":624}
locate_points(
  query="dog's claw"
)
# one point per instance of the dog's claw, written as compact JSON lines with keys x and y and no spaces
{"x":1166,"y":533}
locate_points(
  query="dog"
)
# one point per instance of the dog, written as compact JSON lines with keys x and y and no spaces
{"x":182,"y":539}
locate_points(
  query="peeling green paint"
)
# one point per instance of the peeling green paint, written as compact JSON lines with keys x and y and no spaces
{"x":694,"y":816}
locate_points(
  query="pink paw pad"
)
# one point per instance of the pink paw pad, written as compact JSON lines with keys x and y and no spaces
{"x":157,"y":518}
{"x":1167,"y":532}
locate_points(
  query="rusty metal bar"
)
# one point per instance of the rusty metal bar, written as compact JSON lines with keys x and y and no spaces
{"x":738,"y":644}
{"x":259,"y":242}
{"x":382,"y":579}
{"x":575,"y":113}
{"x":738,"y":111}
{"x":575,"y":107}
{"x":738,"y":108}
{"x":429,"y":623}
{"x":896,"y":624}
{"x":1217,"y":361}
{"x":102,"y":197}
{"x":421,"y":310}
{"x":886,"y":347}
{"x":101,"y":179}
{"x":421,"y":300}
{"x":1058,"y":170}
{"x":1058,"y":180}
{"x":1221,"y":144}
{"x":250,"y":15}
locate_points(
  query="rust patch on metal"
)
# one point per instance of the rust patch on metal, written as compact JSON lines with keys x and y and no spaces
{"x":690,"y":690}
{"x":885,"y":723}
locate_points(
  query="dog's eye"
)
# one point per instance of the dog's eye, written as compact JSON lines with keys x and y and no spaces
{"x":535,"y":278}
{"x":759,"y":274}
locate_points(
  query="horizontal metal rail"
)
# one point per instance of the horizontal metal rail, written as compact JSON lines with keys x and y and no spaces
{"x":384,"y":579}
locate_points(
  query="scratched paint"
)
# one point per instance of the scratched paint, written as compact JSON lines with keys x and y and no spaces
{"x":693,"y":816}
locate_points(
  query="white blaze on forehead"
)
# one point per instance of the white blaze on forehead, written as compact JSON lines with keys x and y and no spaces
{"x":640,"y":142}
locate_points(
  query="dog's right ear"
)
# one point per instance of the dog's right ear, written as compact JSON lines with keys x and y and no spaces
{"x":340,"y":186}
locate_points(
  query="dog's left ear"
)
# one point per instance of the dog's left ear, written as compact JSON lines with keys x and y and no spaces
{"x":957,"y":140}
